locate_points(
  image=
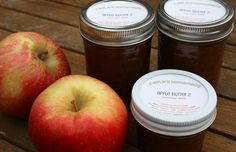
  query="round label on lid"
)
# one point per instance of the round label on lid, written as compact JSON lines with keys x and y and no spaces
{"x":174,"y":94}
{"x":117,"y":13}
{"x":195,"y":11}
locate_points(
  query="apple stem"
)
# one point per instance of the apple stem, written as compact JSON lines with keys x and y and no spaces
{"x":42,"y":56}
{"x":75,"y":105}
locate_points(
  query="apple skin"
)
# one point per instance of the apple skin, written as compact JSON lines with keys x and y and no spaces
{"x":29,"y":63}
{"x":97,"y":124}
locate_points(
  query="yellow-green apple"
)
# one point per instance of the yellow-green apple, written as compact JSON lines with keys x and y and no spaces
{"x":78,"y":113}
{"x":29,"y":62}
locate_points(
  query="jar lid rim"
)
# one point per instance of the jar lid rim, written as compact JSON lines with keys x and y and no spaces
{"x":120,"y":35}
{"x":195,"y":31}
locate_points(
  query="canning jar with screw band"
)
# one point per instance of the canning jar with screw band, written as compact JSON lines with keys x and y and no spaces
{"x":192,"y":35}
{"x":173,"y":109}
{"x":117,"y":41}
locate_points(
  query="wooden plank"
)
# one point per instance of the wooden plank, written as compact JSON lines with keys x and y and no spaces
{"x":3,"y":34}
{"x":15,"y":130}
{"x":232,"y":38}
{"x":129,"y":148}
{"x":76,"y":61}
{"x":217,"y":143}
{"x":232,"y":2}
{"x":7,"y":147}
{"x":53,"y":11}
{"x":225,"y":121}
{"x":229,"y":60}
{"x":227,"y":84}
{"x":79,"y":3}
{"x":75,"y":3}
{"x":67,"y":36}
{"x":154,"y":4}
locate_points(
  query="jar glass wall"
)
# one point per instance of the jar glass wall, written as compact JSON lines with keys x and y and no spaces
{"x":204,"y":59}
{"x":153,"y":142}
{"x":119,"y":67}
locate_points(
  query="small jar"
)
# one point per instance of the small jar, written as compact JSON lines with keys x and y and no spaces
{"x":117,"y":41}
{"x":192,"y":35}
{"x":173,"y":109}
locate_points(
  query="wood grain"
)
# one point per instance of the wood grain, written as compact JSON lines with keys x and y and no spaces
{"x":3,"y":34}
{"x":229,"y":60}
{"x":75,"y":3}
{"x":225,"y":121}
{"x":227,"y":84}
{"x":5,"y":146}
{"x":216,"y":143}
{"x":67,"y":36}
{"x":49,"y":10}
{"x":15,"y":130}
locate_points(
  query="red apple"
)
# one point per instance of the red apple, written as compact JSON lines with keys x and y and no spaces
{"x":29,"y":62}
{"x":78,"y":114}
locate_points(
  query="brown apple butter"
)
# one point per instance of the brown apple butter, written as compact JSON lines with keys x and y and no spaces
{"x":192,"y":36}
{"x":119,"y":67}
{"x":204,"y":59}
{"x":117,"y":42}
{"x":173,"y":109}
{"x":154,"y":142}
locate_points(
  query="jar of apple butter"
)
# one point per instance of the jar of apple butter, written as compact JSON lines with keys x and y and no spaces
{"x":117,"y":41}
{"x":173,"y":109}
{"x":192,"y":35}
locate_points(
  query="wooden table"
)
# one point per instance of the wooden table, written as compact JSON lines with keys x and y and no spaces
{"x":58,"y":19}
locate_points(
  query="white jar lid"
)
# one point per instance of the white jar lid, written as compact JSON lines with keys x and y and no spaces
{"x":173,"y":102}
{"x":117,"y":22}
{"x":195,"y":20}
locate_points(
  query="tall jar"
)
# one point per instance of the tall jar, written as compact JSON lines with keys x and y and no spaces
{"x":117,"y":41}
{"x":173,"y":109}
{"x":192,"y":35}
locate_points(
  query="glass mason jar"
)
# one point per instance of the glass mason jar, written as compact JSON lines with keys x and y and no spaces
{"x":173,"y":109}
{"x":117,"y":41}
{"x":192,"y":35}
